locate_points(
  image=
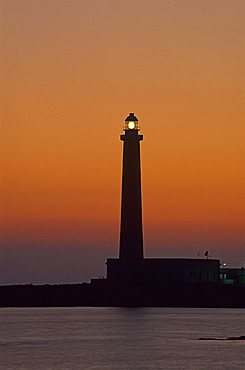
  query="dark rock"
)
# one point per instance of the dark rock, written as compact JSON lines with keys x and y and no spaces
{"x":242,"y":337}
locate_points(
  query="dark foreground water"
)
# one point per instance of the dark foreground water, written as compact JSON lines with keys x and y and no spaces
{"x":120,"y":338}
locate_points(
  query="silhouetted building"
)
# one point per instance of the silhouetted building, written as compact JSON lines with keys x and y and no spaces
{"x":231,"y":276}
{"x":164,"y":270}
{"x":131,"y":265}
{"x":131,"y":236}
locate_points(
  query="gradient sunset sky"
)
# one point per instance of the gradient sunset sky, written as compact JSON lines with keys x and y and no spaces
{"x":71,"y":71}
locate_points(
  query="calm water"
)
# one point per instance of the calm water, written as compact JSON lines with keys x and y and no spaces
{"x":120,"y":338}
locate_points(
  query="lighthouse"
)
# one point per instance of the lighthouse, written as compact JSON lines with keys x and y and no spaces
{"x":131,"y":234}
{"x":131,"y":267}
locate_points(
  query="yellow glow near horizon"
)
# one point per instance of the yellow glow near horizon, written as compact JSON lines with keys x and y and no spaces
{"x":131,"y":125}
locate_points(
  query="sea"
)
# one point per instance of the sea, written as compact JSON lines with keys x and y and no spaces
{"x":121,"y":338}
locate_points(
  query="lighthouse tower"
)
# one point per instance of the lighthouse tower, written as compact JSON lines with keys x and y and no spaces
{"x":131,"y":235}
{"x":131,"y":267}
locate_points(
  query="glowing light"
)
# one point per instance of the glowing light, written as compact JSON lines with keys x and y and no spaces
{"x":131,"y":125}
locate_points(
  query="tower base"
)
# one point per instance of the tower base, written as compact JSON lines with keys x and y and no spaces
{"x":164,"y":270}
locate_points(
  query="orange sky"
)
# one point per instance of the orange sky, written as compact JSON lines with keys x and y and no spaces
{"x":70,"y":73}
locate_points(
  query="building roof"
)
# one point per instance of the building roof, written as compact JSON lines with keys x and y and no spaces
{"x":131,"y":117}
